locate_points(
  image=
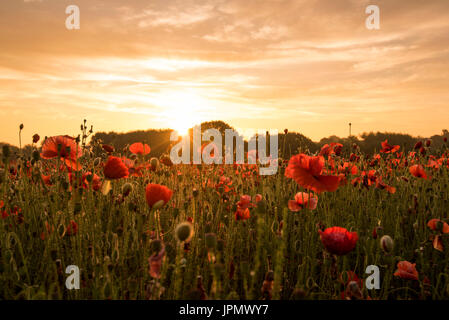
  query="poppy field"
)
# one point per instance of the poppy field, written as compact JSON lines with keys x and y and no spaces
{"x":140,"y":227}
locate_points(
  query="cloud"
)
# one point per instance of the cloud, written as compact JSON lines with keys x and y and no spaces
{"x":293,"y":62}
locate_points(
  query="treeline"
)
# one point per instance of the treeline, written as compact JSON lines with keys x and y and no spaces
{"x":290,"y":143}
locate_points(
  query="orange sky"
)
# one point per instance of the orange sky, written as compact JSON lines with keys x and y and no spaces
{"x":309,"y":66}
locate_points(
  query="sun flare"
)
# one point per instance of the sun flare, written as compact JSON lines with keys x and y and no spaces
{"x":182,"y":109}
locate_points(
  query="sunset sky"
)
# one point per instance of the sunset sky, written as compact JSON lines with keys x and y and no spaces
{"x":307,"y":65}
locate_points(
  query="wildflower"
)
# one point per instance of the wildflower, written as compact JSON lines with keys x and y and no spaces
{"x":438,"y":225}
{"x":72,"y":228}
{"x":139,"y":148}
{"x":243,"y":206}
{"x":307,"y":172}
{"x":418,"y":171}
{"x":338,"y":240}
{"x":303,"y":200}
{"x":115,"y":169}
{"x":108,"y":148}
{"x":157,"y":195}
{"x":406,"y":270}
{"x":386,"y":148}
{"x":64,"y":147}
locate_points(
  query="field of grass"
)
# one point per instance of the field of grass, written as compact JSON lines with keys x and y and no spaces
{"x":207,"y":242}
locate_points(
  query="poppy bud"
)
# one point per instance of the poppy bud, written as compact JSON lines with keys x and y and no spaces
{"x":97,"y":162}
{"x":285,"y":131}
{"x":127,"y":188}
{"x":36,"y":138}
{"x":21,"y":126}
{"x":211,"y":241}
{"x":36,"y":155}
{"x":375,"y":232}
{"x":387,"y":244}
{"x":184,"y":231}
{"x":154,"y":163}
{"x":422,"y":151}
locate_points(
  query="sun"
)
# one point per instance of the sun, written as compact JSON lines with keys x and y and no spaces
{"x":182,"y":109}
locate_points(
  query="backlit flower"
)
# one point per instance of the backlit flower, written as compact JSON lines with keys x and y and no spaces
{"x":157,"y":195}
{"x":115,"y":169}
{"x":406,"y":270}
{"x":338,"y":240}
{"x":303,"y":200}
{"x":307,"y":172}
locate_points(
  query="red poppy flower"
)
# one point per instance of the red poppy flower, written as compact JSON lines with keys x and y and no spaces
{"x":303,"y":200}
{"x":306,"y":171}
{"x":115,"y":169}
{"x":108,"y":148}
{"x":438,"y":225}
{"x":157,"y":195}
{"x":94,"y":179}
{"x":72,"y":228}
{"x":338,"y":240}
{"x":65,"y":147}
{"x":139,"y":148}
{"x":386,"y":148}
{"x":418,"y":171}
{"x":406,"y":270}
{"x":46,"y":180}
{"x":242,"y":214}
{"x":245,"y":202}
{"x":166,"y":161}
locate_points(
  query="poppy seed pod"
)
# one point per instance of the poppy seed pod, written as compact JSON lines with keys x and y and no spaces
{"x":154,"y":163}
{"x":386,"y":243}
{"x":36,"y":155}
{"x":211,"y":241}
{"x":36,"y":138}
{"x":97,"y":162}
{"x":127,"y":188}
{"x":184,"y":231}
